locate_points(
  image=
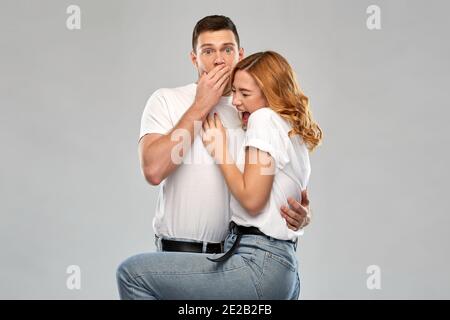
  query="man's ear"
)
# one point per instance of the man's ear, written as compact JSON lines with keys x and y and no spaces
{"x":193,"y":58}
{"x":241,"y":54}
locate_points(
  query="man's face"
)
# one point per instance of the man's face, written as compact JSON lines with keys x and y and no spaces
{"x":215,"y":48}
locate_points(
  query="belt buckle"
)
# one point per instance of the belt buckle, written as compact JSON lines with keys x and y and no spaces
{"x":209,"y":245}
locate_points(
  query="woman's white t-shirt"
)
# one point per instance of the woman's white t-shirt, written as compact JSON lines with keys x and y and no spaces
{"x":268,"y":131}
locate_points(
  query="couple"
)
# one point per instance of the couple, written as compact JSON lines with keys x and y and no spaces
{"x":247,"y":187}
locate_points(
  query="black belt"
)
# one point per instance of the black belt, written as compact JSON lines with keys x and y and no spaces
{"x":239,"y":231}
{"x":185,"y":246}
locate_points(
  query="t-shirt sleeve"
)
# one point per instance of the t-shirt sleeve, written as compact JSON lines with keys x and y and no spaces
{"x":156,"y":117}
{"x":264,"y":134}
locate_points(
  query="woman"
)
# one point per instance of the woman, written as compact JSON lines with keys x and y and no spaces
{"x":259,"y":260}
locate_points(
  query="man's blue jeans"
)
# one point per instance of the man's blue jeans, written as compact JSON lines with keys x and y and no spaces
{"x":261,"y":268}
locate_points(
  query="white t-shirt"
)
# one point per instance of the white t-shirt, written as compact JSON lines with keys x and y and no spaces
{"x":268,"y":131}
{"x":194,"y":201}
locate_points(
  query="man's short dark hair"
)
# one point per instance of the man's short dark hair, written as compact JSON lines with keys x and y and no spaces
{"x":213,"y":23}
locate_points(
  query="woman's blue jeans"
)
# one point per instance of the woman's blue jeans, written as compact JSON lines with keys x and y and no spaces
{"x":261,"y":268}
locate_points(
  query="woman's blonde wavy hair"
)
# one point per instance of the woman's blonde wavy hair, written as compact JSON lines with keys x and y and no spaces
{"x":277,"y":81}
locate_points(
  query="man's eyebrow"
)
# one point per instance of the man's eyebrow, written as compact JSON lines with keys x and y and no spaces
{"x":229,"y":44}
{"x":212,"y":45}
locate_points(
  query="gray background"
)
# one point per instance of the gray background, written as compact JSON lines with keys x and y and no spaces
{"x":71,"y":188}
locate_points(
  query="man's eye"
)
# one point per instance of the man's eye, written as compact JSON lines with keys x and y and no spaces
{"x":229,"y":50}
{"x":207,"y":51}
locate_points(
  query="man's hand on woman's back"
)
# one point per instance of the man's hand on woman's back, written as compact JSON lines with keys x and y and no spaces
{"x":297,"y":215}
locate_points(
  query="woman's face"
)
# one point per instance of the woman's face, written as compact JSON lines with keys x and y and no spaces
{"x":247,"y":96}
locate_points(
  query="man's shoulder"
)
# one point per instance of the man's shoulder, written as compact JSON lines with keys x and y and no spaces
{"x":168,"y":92}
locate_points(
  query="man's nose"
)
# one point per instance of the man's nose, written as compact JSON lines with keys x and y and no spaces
{"x":219,"y":59}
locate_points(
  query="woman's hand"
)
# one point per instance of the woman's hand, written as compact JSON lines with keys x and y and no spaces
{"x":214,"y":137}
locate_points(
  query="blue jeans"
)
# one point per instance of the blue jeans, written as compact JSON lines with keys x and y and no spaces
{"x":261,"y":268}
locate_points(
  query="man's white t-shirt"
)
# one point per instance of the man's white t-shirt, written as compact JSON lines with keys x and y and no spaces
{"x":194,"y":201}
{"x":268,"y":131}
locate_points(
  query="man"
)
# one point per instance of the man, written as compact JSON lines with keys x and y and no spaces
{"x":192,"y":212}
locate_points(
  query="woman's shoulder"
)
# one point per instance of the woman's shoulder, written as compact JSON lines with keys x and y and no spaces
{"x":267,"y":118}
{"x":264,"y":116}
{"x":264,"y":112}
{"x":261,"y":113}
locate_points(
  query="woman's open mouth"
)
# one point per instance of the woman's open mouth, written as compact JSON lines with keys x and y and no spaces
{"x":245,"y":116}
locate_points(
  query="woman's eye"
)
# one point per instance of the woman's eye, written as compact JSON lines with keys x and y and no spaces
{"x":245,"y":95}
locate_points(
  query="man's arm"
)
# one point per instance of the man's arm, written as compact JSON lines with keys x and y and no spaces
{"x":155,"y":150}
